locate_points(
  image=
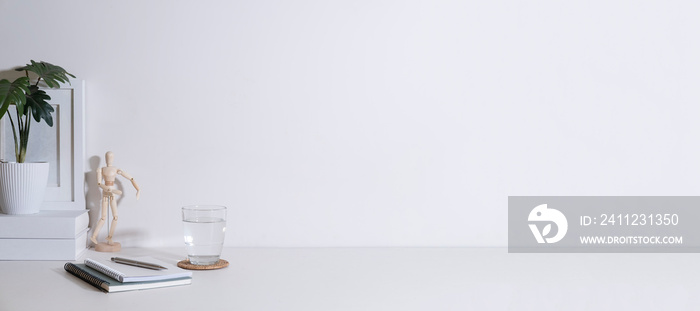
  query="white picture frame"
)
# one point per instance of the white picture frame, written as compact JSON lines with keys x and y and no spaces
{"x":62,"y":145}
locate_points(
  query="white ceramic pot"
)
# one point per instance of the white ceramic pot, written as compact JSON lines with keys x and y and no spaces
{"x":22,"y":187}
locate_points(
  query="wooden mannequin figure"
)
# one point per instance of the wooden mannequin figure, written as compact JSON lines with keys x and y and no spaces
{"x":109,"y":174}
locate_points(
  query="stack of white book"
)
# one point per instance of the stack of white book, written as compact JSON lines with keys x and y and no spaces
{"x":47,"y":235}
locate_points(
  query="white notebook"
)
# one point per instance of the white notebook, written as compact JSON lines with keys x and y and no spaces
{"x":126,"y":274}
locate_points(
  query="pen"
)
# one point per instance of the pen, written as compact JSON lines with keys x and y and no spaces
{"x":137,"y":263}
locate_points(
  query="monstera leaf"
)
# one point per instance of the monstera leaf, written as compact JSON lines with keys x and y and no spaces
{"x":37,"y":101}
{"x":51,"y":74}
{"x":30,"y":100}
{"x":13,"y":92}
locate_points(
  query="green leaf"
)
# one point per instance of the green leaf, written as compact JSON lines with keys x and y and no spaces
{"x":51,"y":74}
{"x":546,"y":229}
{"x":13,"y":93}
{"x":37,"y":101}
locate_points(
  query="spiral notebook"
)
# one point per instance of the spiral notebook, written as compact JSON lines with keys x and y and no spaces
{"x":127,"y":274}
{"x":107,"y":284}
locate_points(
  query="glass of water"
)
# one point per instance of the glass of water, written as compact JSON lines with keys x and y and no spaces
{"x":205,"y":228}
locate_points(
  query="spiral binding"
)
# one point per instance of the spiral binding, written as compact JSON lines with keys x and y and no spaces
{"x":105,"y":270}
{"x":91,"y":279}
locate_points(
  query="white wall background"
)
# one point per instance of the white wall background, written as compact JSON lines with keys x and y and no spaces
{"x":373,"y":123}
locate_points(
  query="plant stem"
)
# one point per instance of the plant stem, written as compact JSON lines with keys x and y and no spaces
{"x":14,"y":137}
{"x":21,"y":126}
{"x":25,"y":138}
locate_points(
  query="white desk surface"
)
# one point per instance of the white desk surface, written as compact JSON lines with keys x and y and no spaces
{"x":378,"y":279}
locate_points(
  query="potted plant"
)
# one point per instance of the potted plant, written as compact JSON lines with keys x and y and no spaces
{"x":22,"y":184}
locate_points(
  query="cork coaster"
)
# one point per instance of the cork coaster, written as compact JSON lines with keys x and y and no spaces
{"x":185,"y":264}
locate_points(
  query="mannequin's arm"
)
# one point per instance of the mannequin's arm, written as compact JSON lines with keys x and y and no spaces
{"x":99,"y":180}
{"x":133,"y":182}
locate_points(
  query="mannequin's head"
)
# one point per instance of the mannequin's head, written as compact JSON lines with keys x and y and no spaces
{"x":109,"y":158}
